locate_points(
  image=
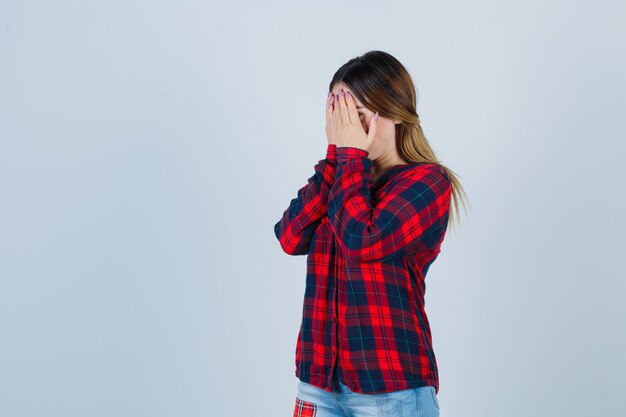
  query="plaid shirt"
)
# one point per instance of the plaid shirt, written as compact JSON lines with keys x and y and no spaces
{"x":369,"y":245}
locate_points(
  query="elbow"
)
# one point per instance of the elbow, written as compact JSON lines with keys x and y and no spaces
{"x":292,"y":249}
{"x":285,"y":242}
{"x":277,"y":230}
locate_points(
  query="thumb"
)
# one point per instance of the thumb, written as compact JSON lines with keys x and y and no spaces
{"x":371,"y":132}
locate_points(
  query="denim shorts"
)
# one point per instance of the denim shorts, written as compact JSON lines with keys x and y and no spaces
{"x":312,"y":401}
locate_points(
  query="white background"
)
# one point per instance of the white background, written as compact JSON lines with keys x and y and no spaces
{"x":147,"y":149}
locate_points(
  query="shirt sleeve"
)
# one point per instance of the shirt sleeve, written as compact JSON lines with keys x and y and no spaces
{"x":412,"y":209}
{"x":305,"y":212}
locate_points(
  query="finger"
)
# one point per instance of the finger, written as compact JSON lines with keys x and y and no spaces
{"x":345,"y":117}
{"x":352,"y":112}
{"x":329,"y":106}
{"x":336,"y":112}
{"x":373,"y":126}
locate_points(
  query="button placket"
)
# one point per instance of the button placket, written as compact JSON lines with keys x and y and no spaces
{"x":334,"y":329}
{"x":334,"y":301}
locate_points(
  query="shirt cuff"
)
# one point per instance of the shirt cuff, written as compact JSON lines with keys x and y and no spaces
{"x":331,"y":153}
{"x":347,"y":153}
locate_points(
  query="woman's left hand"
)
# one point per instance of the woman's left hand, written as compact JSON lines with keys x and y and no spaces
{"x":346,"y":125}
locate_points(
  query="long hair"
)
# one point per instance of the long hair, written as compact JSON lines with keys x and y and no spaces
{"x":383,"y":85}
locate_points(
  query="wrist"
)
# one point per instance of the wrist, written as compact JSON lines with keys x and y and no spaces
{"x":346,"y":153}
{"x":331,"y":153}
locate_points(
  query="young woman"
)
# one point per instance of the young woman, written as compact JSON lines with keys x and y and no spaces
{"x":371,"y":221}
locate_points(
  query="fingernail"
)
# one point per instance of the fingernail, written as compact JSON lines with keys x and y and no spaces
{"x":376,"y":116}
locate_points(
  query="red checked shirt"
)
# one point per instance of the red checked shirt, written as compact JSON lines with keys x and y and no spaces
{"x":369,"y":245}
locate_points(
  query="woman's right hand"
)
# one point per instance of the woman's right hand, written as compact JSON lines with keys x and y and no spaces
{"x":330,"y":106}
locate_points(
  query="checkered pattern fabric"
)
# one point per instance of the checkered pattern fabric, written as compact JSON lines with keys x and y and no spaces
{"x":369,"y":244}
{"x":304,"y":408}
